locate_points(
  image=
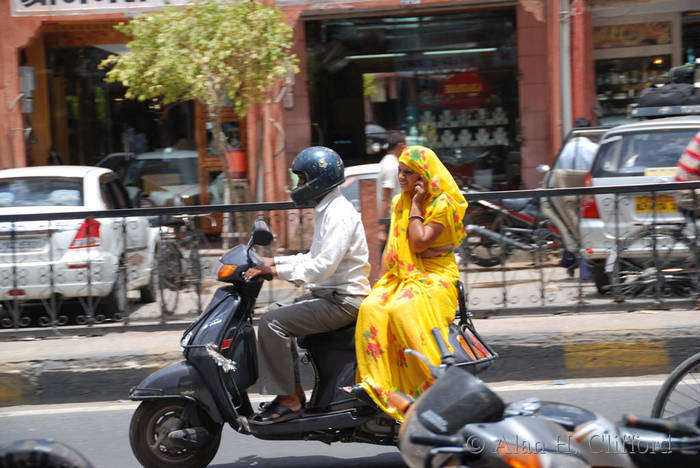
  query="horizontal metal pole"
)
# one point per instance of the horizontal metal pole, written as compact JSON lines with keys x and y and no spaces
{"x":280,"y":206}
{"x":158,"y":211}
{"x":558,"y":192}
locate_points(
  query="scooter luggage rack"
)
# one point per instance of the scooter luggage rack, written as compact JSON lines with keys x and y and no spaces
{"x":466,"y":324}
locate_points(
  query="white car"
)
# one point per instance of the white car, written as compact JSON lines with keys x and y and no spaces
{"x":73,"y":258}
{"x":351,"y":186}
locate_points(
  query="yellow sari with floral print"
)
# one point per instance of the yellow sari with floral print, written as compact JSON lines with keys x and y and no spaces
{"x":415,"y":295}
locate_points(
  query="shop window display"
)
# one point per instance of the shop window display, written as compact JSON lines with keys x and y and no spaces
{"x":620,"y":81}
{"x":447,"y":81}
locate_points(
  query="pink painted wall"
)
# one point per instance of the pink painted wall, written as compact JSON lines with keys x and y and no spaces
{"x":17,"y":33}
{"x":534,"y":96}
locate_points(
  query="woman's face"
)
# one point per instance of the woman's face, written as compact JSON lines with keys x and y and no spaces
{"x":408,"y":178}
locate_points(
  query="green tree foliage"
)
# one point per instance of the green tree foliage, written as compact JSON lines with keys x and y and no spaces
{"x":204,"y":51}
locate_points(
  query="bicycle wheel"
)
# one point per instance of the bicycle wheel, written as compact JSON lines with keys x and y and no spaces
{"x":672,"y":272}
{"x":170,"y":276}
{"x":680,"y":392}
{"x":194,"y":276}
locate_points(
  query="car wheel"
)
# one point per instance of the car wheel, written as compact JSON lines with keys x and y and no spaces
{"x":114,"y":305}
{"x":149,"y":293}
{"x":600,"y":277}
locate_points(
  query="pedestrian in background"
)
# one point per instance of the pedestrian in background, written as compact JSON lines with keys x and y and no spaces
{"x":688,"y":169}
{"x":387,"y":179}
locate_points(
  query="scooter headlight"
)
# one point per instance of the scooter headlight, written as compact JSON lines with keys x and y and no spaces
{"x":517,"y":456}
{"x":185,"y":341}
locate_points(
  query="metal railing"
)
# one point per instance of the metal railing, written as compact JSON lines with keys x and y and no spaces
{"x":141,"y":264}
{"x":638,"y":252}
{"x":646,"y":256}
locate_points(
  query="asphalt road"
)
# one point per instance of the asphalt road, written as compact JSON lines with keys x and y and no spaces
{"x":100,"y":430}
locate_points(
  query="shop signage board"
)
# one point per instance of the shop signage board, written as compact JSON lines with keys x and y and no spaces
{"x":632,"y":35}
{"x":85,"y":7}
{"x":91,"y":7}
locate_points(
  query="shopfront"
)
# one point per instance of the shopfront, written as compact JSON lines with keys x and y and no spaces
{"x":635,"y":46}
{"x":90,"y":118}
{"x":448,"y":81}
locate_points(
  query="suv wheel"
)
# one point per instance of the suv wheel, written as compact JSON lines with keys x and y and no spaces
{"x":600,"y":277}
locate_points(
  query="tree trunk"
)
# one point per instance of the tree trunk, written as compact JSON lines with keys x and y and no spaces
{"x":221,"y":147}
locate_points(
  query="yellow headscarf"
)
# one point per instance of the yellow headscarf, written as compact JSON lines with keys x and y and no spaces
{"x":440,"y":182}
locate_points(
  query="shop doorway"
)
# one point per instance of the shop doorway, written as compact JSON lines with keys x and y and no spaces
{"x":91,"y":119}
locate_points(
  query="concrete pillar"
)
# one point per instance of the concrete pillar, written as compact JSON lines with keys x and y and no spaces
{"x":554,"y":69}
{"x":582,"y":65}
{"x":17,"y":34}
{"x":368,"y":210}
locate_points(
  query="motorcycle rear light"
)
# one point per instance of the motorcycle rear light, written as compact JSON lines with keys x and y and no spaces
{"x":88,"y":235}
{"x":589,"y":208}
{"x":225,"y":271}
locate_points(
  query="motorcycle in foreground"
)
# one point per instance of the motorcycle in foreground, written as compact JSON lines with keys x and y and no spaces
{"x":184,"y":406}
{"x":459,"y":421}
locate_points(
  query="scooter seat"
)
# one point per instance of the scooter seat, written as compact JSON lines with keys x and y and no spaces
{"x":342,"y":338}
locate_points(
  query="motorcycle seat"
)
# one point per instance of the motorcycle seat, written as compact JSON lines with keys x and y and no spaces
{"x":342,"y":338}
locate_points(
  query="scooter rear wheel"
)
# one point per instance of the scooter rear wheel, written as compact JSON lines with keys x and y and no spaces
{"x":155,"y":419}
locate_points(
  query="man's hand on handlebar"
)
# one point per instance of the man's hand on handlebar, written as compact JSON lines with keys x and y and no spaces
{"x":267,"y":269}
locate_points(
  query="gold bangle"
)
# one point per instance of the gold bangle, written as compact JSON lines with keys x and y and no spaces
{"x":416,"y":217}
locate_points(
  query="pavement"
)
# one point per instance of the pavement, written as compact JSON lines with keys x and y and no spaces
{"x":101,"y":363}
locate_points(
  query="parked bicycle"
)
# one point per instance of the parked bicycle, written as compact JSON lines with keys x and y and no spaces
{"x":655,"y":260}
{"x":679,"y":397}
{"x":179,"y":261}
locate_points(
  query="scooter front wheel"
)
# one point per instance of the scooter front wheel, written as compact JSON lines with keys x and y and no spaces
{"x":154,"y":420}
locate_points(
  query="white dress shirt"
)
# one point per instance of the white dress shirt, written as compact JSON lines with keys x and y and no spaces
{"x":339,"y":257}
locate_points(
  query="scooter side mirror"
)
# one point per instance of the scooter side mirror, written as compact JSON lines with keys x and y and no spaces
{"x":261,"y":234}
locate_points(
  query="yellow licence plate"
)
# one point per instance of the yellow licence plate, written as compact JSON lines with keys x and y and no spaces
{"x":664,"y":204}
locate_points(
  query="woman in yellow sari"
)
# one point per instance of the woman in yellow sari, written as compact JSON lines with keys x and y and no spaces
{"x":417,"y":291}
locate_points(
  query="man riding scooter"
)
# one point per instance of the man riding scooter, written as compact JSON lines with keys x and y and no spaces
{"x":335,"y":270}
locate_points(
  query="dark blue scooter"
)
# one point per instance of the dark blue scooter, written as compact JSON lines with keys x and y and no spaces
{"x":184,"y":406}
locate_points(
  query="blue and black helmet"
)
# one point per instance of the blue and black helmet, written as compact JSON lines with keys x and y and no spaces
{"x":323,"y":169}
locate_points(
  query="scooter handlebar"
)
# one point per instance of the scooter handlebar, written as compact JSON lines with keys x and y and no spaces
{"x":435,"y":440}
{"x":666,"y":426}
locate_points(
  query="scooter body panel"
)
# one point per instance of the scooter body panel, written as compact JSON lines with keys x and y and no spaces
{"x":180,"y":380}
{"x":332,"y":355}
{"x":225,"y":324}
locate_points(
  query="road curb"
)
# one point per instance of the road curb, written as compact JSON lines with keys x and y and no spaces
{"x":525,"y":356}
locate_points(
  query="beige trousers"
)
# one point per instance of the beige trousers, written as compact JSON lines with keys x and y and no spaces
{"x":322,"y":310}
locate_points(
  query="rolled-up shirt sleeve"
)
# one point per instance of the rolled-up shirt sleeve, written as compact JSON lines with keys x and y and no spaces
{"x":322,"y":261}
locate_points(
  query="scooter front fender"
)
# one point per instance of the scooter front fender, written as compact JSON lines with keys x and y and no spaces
{"x":179,"y":380}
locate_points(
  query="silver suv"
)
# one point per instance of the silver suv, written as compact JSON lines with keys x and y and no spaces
{"x":644,"y":152}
